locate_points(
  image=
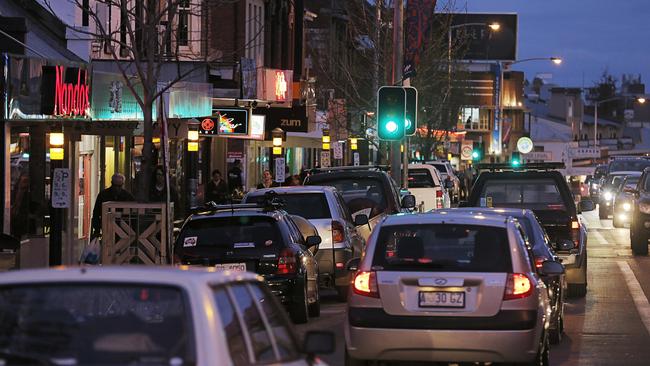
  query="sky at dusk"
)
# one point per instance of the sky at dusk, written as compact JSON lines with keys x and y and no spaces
{"x":588,"y":34}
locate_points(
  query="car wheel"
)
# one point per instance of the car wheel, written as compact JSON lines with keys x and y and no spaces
{"x":555,"y":334}
{"x":602,"y":213}
{"x":639,"y":242}
{"x":314,"y":308}
{"x":298,"y":311}
{"x":350,"y":361}
{"x":342,"y":293}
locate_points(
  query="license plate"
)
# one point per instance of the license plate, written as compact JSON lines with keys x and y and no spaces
{"x":442,"y":299}
{"x":235,"y":267}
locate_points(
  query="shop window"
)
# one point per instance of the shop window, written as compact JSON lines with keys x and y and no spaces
{"x":475,"y":118}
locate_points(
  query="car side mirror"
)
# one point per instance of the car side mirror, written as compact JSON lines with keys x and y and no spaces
{"x":587,"y":205}
{"x":552,"y":268}
{"x":564,"y":245}
{"x":361,"y":219}
{"x":318,"y":342}
{"x":313,"y":240}
{"x":408,"y":201}
{"x":353,"y":264}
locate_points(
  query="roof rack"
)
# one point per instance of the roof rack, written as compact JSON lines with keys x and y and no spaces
{"x":382,"y":168}
{"x":271,"y":202}
{"x":523,"y":167}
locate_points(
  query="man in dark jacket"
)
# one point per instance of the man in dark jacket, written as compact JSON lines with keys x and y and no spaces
{"x":217,"y":189}
{"x":235,"y":176}
{"x":113,"y":193}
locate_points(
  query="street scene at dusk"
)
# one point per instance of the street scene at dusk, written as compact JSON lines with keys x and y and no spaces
{"x":324,"y":182}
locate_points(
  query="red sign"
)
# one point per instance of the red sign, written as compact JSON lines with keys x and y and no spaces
{"x":71,"y":99}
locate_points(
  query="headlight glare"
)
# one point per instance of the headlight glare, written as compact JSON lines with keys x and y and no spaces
{"x":627,"y":206}
{"x":608,"y":195}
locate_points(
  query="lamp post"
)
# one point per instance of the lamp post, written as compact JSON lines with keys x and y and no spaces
{"x":192,"y":166}
{"x":641,"y":100}
{"x":278,"y":157}
{"x":57,"y":142}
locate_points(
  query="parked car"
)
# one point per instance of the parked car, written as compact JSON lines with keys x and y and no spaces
{"x":446,"y":170}
{"x":594,"y":184}
{"x":325,"y":208}
{"x":143,"y":315}
{"x":448,"y":287}
{"x":366,"y":190}
{"x":538,"y":241}
{"x":545,"y":191}
{"x":610,"y":187}
{"x":427,"y":185}
{"x":623,"y":200}
{"x":640,"y":223}
{"x":257,"y":238}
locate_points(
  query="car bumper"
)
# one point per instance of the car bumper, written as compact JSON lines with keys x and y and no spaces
{"x":450,"y":345}
{"x":285,"y":289}
{"x":341,"y":257}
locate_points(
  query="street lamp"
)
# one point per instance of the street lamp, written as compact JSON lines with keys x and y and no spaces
{"x":326,"y":139}
{"x":641,"y":100}
{"x":56,"y":145}
{"x":277,"y":135}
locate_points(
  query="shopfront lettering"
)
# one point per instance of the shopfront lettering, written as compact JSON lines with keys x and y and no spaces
{"x":290,"y":123}
{"x":71,"y":99}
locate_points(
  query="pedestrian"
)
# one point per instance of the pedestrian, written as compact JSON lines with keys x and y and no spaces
{"x":158,"y":191}
{"x":267,"y":181}
{"x":115,"y":192}
{"x":217,"y":189}
{"x":294,"y":180}
{"x":235,"y":176}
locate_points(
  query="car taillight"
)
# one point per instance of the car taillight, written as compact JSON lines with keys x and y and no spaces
{"x":338,"y":232}
{"x":539,"y":262}
{"x":518,"y":286}
{"x":439,"y":194}
{"x":575,"y":233}
{"x":365,"y":284}
{"x":287,"y":262}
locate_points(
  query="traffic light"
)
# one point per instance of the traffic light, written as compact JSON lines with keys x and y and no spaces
{"x":391,"y":112}
{"x":410,"y":122}
{"x":477,"y":151}
{"x":515,"y":159}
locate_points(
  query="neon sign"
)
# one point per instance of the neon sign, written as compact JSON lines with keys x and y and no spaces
{"x":280,"y":86}
{"x":71,"y":99}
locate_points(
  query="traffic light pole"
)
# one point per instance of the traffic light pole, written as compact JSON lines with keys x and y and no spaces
{"x":398,"y":47}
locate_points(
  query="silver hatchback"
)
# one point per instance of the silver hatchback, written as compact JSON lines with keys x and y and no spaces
{"x":448,"y":287}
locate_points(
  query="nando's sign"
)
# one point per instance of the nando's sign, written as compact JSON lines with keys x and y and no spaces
{"x":65,"y":92}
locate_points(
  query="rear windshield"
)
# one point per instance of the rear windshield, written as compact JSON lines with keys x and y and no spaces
{"x":308,"y":205}
{"x":600,"y":172}
{"x":236,"y":232}
{"x":96,"y":324}
{"x":440,"y":167}
{"x":362,"y":195}
{"x":628,"y":165}
{"x":534,"y":194}
{"x":615,"y":181}
{"x":420,"y":178}
{"x":631,"y":182}
{"x":443,"y":247}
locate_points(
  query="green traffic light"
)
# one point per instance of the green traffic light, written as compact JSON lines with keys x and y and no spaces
{"x":475,"y":154}
{"x":515,"y":163}
{"x":391,"y":126}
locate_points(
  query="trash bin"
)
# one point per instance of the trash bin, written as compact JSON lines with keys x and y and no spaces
{"x":9,"y":252}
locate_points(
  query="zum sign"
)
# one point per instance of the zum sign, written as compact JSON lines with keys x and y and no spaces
{"x":290,"y":123}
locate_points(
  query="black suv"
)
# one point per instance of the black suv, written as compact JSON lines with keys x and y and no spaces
{"x":548,"y":195}
{"x":366,"y":190}
{"x":257,"y":238}
{"x":640,"y":224}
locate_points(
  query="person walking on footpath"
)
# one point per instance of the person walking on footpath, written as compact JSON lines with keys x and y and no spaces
{"x":115,"y":192}
{"x":217,"y":189}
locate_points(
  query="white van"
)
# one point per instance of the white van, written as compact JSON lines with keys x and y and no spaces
{"x":427,"y":185}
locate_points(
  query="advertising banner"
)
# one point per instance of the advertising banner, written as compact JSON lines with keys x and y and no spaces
{"x":482,"y":43}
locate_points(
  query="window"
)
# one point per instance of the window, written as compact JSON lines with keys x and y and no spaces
{"x":85,"y":7}
{"x":250,"y":232}
{"x":277,"y":321}
{"x":259,"y":337}
{"x":183,"y":22}
{"x":124,"y":51}
{"x":443,"y":247}
{"x":231,"y":328}
{"x":362,"y":195}
{"x":308,"y":205}
{"x":473,"y":118}
{"x":420,"y":178}
{"x":529,"y":193}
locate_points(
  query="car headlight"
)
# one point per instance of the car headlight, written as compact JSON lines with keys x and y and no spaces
{"x":644,"y":207}
{"x":608,"y":196}
{"x":627,"y":206}
{"x":594,"y":185}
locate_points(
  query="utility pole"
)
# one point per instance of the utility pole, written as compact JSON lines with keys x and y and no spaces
{"x":398,"y":59}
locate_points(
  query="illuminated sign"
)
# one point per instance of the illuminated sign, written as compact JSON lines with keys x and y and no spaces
{"x":280,"y":86}
{"x":275,"y":85}
{"x":71,"y":98}
{"x":225,"y":122}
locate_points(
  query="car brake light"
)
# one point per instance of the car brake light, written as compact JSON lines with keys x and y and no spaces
{"x":365,"y":284}
{"x":575,"y":225}
{"x":539,"y":262}
{"x":575,"y":233}
{"x":287,"y":262}
{"x":518,"y":286}
{"x":338,"y":232}
{"x":439,"y":194}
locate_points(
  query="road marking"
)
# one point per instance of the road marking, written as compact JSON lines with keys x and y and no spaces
{"x":640,"y":300}
{"x":598,"y":236}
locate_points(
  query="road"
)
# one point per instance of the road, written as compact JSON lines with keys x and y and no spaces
{"x":610,"y":326}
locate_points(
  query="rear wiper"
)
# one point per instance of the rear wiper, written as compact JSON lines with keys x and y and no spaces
{"x":12,"y":358}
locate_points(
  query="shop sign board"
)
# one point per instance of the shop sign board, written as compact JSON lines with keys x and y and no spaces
{"x":584,"y":152}
{"x":113,"y":100}
{"x":325,"y":159}
{"x":480,"y":42}
{"x":275,"y":85}
{"x":338,"y":150}
{"x":538,"y":156}
{"x":61,"y":188}
{"x":225,"y":122}
{"x":356,"y":158}
{"x":292,"y":119}
{"x":280,"y":167}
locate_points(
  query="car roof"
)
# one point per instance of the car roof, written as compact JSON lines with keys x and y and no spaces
{"x":329,"y":175}
{"x":421,"y":166}
{"x":294,"y":189}
{"x":503,"y":211}
{"x":521,"y":174}
{"x":136,"y":274}
{"x":239,"y":212}
{"x":448,"y":217}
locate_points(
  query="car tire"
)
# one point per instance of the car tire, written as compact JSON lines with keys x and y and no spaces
{"x":342,"y":293}
{"x":314,"y":308}
{"x":350,"y":361}
{"x":298,"y":311}
{"x":555,"y":334}
{"x":639,"y":242}
{"x":602,"y":213}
